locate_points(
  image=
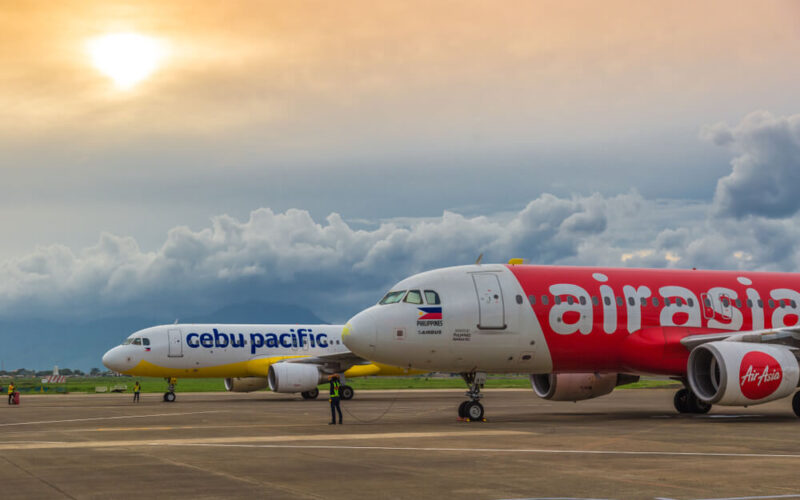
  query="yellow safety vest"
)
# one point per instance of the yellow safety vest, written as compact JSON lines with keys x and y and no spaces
{"x":11,"y":388}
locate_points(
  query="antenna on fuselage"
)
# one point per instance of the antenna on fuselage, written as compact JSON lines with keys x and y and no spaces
{"x":176,"y":321}
{"x":478,"y":260}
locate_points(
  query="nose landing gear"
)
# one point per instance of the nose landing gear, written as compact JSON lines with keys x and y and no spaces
{"x":472,"y":410}
{"x":169,"y":396}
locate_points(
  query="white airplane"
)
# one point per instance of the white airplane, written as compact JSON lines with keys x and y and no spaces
{"x":731,"y":337}
{"x":288,"y":358}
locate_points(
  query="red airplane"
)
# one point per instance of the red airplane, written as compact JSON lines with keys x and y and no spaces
{"x":731,"y":337}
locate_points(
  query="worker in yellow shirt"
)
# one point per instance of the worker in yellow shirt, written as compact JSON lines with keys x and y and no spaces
{"x":11,"y":390}
{"x":136,"y":389}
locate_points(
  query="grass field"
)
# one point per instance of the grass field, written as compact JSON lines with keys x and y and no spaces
{"x":155,"y":385}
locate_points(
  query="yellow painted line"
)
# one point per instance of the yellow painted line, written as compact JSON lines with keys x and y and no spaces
{"x":35,"y":445}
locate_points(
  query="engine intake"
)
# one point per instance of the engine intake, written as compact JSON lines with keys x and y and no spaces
{"x":293,"y":377}
{"x":578,"y":386}
{"x":245,"y":384}
{"x":740,"y":373}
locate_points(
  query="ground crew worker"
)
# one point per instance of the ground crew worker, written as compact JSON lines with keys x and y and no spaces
{"x":11,"y":390}
{"x":334,"y":399}
{"x":136,"y":389}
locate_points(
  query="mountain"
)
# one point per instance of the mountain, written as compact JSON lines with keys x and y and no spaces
{"x":40,"y":344}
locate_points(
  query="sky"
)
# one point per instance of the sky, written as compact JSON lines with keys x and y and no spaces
{"x":315,"y":153}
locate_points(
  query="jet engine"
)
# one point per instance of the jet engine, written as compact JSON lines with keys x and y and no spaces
{"x":245,"y":384}
{"x":578,"y":386}
{"x":740,"y":373}
{"x":293,"y":377}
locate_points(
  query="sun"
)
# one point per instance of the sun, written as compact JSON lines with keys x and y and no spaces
{"x":126,"y":58}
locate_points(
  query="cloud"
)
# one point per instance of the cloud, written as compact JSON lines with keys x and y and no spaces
{"x":765,"y":178}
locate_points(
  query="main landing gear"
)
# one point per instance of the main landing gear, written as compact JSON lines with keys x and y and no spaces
{"x":687,"y":402}
{"x":312,"y":394}
{"x":472,"y":410}
{"x":346,"y":392}
{"x":796,"y":403}
{"x":169,"y":396}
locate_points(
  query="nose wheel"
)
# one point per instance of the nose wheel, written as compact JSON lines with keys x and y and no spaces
{"x":169,"y":396}
{"x":472,"y":410}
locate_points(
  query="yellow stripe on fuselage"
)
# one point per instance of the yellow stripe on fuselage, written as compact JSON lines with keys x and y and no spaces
{"x":256,"y":368}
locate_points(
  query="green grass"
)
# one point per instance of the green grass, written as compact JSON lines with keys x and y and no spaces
{"x":157,"y":385}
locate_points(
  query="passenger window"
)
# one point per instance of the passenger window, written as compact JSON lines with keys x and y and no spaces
{"x":620,"y":302}
{"x":771,"y":303}
{"x":595,"y":301}
{"x":655,"y":301}
{"x":644,"y":301}
{"x":794,"y":304}
{"x":392,"y":297}
{"x":690,"y":301}
{"x":631,"y":301}
{"x":707,"y":302}
{"x":583,"y":300}
{"x":519,"y":299}
{"x":137,"y":341}
{"x":749,"y":303}
{"x":760,"y":303}
{"x":545,"y":299}
{"x":532,"y":299}
{"x":413,"y":297}
{"x":666,"y":301}
{"x":557,"y":299}
{"x":678,"y":301}
{"x":607,"y":301}
{"x":570,"y":300}
{"x":726,"y":301}
{"x":145,"y":341}
{"x":432,"y":298}
{"x":738,"y":303}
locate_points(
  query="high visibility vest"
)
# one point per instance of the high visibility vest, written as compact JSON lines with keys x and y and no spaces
{"x":136,"y":388}
{"x":336,"y":389}
{"x":11,"y":388}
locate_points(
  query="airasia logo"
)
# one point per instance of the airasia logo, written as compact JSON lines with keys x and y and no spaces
{"x":759,"y":375}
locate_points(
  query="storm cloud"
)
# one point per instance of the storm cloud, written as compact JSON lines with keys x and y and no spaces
{"x":765,"y":177}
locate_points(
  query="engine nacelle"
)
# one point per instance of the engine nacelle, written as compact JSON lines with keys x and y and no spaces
{"x":245,"y":384}
{"x":577,"y":386}
{"x":740,"y":373}
{"x":293,"y":377}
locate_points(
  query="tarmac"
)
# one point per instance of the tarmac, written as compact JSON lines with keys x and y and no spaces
{"x":394,"y":444}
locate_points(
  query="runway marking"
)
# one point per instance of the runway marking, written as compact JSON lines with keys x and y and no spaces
{"x":501,"y":450}
{"x":112,"y":418}
{"x":765,"y":497}
{"x":38,"y":445}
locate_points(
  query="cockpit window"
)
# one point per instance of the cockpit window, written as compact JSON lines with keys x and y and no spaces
{"x":431,"y":297}
{"x":127,"y":341}
{"x":137,"y":341}
{"x":145,"y":341}
{"x":392,"y":297}
{"x":413,"y":297}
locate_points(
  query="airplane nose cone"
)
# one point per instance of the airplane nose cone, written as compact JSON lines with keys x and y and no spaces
{"x":359,"y":334}
{"x":116,"y":360}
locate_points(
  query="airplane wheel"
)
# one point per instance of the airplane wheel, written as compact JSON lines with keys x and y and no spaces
{"x":462,"y":412}
{"x":473,"y":410}
{"x":346,"y":392}
{"x":169,"y":397}
{"x":312,"y":394}
{"x":796,"y":403}
{"x":681,"y":401}
{"x":696,"y":406}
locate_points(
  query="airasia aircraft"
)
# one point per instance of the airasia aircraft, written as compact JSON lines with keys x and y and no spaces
{"x":731,"y":337}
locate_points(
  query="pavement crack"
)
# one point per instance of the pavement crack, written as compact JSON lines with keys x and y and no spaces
{"x":38,"y":478}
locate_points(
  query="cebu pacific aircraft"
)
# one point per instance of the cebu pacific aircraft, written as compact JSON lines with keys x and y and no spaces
{"x":731,"y":337}
{"x":288,"y":358}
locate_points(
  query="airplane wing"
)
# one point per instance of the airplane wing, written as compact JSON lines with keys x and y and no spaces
{"x":787,"y":336}
{"x":332,"y":363}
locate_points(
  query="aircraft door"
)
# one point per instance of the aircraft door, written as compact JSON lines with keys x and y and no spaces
{"x":490,"y":301}
{"x":175,"y":349}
